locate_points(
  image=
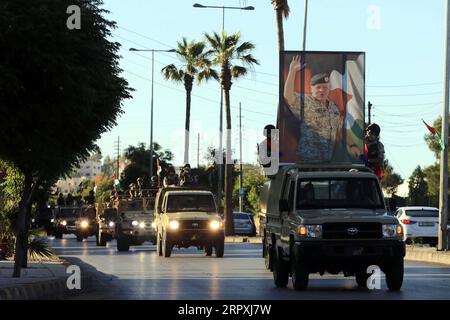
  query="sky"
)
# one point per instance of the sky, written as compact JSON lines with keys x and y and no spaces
{"x":403,"y":41}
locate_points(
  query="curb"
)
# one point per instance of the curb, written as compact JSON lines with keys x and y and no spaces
{"x":55,"y":289}
{"x":427,"y":255}
{"x":52,"y":289}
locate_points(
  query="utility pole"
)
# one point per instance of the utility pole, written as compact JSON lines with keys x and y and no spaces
{"x":118,"y":156}
{"x":305,"y":24}
{"x":443,"y":195}
{"x":241,"y":190}
{"x":370,"y":110}
{"x":198,"y":150}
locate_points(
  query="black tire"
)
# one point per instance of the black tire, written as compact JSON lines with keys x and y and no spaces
{"x":166,"y":247}
{"x":361,"y":278}
{"x":267,"y":254}
{"x":123,"y":244}
{"x":158,"y":245}
{"x":79,"y":238}
{"x":219,"y":248}
{"x":394,"y":275}
{"x":58,"y":235}
{"x":208,"y":250}
{"x":101,"y":240}
{"x":299,"y":273}
{"x":280,"y":268}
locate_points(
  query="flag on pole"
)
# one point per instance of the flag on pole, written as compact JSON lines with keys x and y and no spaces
{"x":435,"y":134}
{"x":116,"y":184}
{"x":158,"y":167}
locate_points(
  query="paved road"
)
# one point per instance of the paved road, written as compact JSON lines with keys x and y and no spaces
{"x":188,"y":274}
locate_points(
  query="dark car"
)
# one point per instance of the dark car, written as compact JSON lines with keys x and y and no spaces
{"x":44,"y":218}
{"x":244,"y":224}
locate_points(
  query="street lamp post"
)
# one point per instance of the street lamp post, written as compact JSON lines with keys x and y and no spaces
{"x":220,"y":178}
{"x":151,"y":103}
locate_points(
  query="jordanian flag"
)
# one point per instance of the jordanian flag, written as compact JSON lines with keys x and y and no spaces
{"x":116,"y":184}
{"x":435,"y":134}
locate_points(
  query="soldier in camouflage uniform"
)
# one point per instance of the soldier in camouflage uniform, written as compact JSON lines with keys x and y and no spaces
{"x":320,"y":119}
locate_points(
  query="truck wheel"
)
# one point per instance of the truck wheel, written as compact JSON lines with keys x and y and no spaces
{"x":79,"y":238}
{"x":208,"y":250}
{"x":122,"y":244}
{"x":361,"y":278}
{"x":101,"y":241}
{"x":58,"y":235}
{"x":158,"y":245}
{"x":166,"y":247}
{"x":394,"y":275}
{"x":280,"y":268}
{"x":219,"y":247}
{"x":299,"y":273}
{"x":267,"y":254}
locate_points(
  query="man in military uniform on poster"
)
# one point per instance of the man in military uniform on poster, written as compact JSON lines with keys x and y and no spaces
{"x":320,"y":119}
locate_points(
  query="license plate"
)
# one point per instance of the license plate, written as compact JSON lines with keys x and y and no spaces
{"x":426,"y":224}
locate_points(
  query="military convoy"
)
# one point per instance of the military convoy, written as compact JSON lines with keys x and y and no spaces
{"x":65,"y":220}
{"x":128,"y":219}
{"x":187,"y":217}
{"x":329,"y":219}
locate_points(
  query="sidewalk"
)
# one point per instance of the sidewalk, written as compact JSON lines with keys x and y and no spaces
{"x":41,"y":280}
{"x":243,"y":239}
{"x":427,"y":254}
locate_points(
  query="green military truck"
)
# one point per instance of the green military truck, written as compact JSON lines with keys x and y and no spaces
{"x":331,"y":219}
{"x":187,"y":217}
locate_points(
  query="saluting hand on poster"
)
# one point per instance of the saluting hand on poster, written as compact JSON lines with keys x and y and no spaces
{"x":294,"y":67}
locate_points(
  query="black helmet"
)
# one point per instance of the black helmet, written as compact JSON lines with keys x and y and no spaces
{"x":171,"y":169}
{"x":187,"y":166}
{"x":267,"y":129}
{"x":374,"y":128}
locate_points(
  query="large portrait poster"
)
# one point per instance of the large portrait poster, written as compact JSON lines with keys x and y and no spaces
{"x":321,"y":108}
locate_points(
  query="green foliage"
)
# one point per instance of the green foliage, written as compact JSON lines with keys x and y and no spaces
{"x":50,"y":87}
{"x":252,"y":183}
{"x":38,"y":248}
{"x":139,"y":158}
{"x":418,"y":188}
{"x":391,"y":180}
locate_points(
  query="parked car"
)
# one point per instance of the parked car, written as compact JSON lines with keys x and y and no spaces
{"x":419,"y":222}
{"x":244,"y":224}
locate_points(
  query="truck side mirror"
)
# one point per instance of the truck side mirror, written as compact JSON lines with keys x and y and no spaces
{"x":283,"y":205}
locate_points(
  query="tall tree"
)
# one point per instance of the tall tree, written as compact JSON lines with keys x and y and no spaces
{"x":391,"y":180}
{"x":281,"y":10}
{"x":61,"y":90}
{"x":418,"y":188}
{"x":138,"y":157}
{"x":195,"y":65}
{"x":229,"y":52}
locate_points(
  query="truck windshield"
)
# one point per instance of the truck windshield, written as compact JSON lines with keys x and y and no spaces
{"x":338,"y":193}
{"x":187,"y":202}
{"x":69,"y":212}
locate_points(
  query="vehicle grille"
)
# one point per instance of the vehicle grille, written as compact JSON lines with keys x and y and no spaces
{"x":194,"y":224}
{"x":366,"y":230}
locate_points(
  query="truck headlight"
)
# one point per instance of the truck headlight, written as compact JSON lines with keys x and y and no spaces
{"x":142,"y":225}
{"x":84,"y":224}
{"x":154,"y":225}
{"x":64,"y":223}
{"x":215,"y":225}
{"x":310,"y":231}
{"x":392,"y":231}
{"x":134,"y":223}
{"x":53,"y":220}
{"x":111,"y":224}
{"x":174,"y":225}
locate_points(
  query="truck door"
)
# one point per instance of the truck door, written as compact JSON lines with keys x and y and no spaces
{"x":288,"y":196}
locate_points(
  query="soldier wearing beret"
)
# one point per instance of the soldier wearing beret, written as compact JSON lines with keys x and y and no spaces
{"x":319,"y":117}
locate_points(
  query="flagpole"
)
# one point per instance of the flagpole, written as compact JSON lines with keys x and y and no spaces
{"x":443,"y":194}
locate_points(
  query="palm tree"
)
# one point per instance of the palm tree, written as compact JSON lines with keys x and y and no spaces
{"x":195,"y":65}
{"x":228,"y":51}
{"x":281,"y":10}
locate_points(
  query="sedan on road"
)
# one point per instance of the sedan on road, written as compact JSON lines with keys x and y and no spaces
{"x":419,"y":222}
{"x":244,"y":224}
